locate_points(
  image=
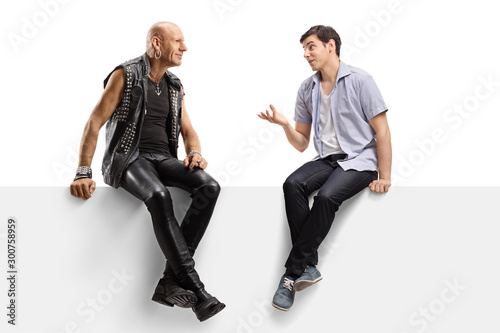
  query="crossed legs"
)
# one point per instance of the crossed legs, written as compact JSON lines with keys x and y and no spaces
{"x":147,"y":178}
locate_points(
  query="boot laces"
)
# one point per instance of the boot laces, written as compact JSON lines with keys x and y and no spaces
{"x":288,"y":284}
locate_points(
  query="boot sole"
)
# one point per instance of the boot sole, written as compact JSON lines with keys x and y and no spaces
{"x":158,"y":298}
{"x":209,"y":310}
{"x":303,"y":284}
{"x":183,"y":299}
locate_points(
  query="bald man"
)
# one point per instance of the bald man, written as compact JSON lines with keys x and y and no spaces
{"x":143,"y":105}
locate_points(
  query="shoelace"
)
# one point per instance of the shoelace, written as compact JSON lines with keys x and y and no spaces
{"x":288,"y":284}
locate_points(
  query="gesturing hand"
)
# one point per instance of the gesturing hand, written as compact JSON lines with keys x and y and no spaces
{"x":275,"y":117}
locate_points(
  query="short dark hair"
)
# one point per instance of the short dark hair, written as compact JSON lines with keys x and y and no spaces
{"x":324,"y":34}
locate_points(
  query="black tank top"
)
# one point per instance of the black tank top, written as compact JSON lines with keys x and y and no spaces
{"x":154,"y":136}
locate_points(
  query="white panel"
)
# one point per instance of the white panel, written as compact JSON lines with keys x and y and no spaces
{"x":388,"y":259}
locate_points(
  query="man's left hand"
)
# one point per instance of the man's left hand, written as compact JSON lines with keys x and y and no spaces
{"x":380,"y":186}
{"x":195,"y":161}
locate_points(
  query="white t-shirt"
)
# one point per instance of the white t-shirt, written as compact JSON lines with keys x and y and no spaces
{"x":326,"y":128}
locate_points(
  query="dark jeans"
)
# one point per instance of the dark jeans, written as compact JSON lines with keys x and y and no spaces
{"x":146,"y":178}
{"x":309,"y":227}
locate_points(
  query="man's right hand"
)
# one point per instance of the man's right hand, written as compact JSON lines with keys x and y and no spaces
{"x":298,"y":136}
{"x":275,"y":117}
{"x":82,"y":188}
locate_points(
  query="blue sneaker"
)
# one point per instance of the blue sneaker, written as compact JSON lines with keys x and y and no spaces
{"x":283,"y":298}
{"x":310,"y":276}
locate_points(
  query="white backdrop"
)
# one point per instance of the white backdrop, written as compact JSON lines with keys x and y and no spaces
{"x":436,"y":64}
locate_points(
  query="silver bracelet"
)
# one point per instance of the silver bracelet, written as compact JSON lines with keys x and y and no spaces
{"x":192,"y":152}
{"x":83,"y":172}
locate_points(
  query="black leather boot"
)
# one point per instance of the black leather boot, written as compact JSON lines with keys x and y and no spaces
{"x":169,"y":293}
{"x":181,"y":276}
{"x":207,"y":305}
{"x":160,"y":293}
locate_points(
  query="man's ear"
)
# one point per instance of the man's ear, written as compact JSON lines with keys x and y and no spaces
{"x":331,"y":46}
{"x":155,"y":42}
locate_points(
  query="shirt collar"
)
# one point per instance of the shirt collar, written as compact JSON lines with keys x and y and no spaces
{"x":343,"y":71}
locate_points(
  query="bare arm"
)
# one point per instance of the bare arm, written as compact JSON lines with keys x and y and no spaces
{"x":298,"y":136}
{"x":384,"y":150}
{"x":111,"y":97}
{"x":191,"y":142}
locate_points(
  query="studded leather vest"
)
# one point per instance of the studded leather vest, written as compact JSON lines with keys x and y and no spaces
{"x":123,"y":128}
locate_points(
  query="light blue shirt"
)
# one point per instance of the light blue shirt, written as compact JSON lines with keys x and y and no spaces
{"x":355,"y":99}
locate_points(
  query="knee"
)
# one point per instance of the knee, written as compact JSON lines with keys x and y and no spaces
{"x":158,"y":196}
{"x":291,"y":185}
{"x":160,"y":206}
{"x":325,"y":200}
{"x":211,"y":189}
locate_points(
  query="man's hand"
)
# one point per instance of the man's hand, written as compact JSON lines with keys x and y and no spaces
{"x":195,"y":161}
{"x":380,"y":186}
{"x":275,"y":117}
{"x":82,"y":188}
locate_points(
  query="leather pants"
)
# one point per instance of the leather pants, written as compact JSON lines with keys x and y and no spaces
{"x":146,"y":178}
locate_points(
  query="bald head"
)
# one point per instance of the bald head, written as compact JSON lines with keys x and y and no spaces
{"x":160,"y":30}
{"x":165,"y":42}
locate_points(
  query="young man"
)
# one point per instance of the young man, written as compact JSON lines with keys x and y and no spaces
{"x":351,"y":135}
{"x":143,"y":105}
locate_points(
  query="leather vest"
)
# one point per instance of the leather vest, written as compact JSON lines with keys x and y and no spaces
{"x":123,"y":129}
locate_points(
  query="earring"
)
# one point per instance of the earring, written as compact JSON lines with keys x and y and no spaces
{"x":158,"y":54}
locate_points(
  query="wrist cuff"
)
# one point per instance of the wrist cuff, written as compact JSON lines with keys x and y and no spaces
{"x":83,"y":172}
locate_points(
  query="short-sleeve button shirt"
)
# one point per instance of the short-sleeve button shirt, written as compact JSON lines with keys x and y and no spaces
{"x":355,"y":99}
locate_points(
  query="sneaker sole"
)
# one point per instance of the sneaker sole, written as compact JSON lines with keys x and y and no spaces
{"x":280,"y":308}
{"x":303,"y":284}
